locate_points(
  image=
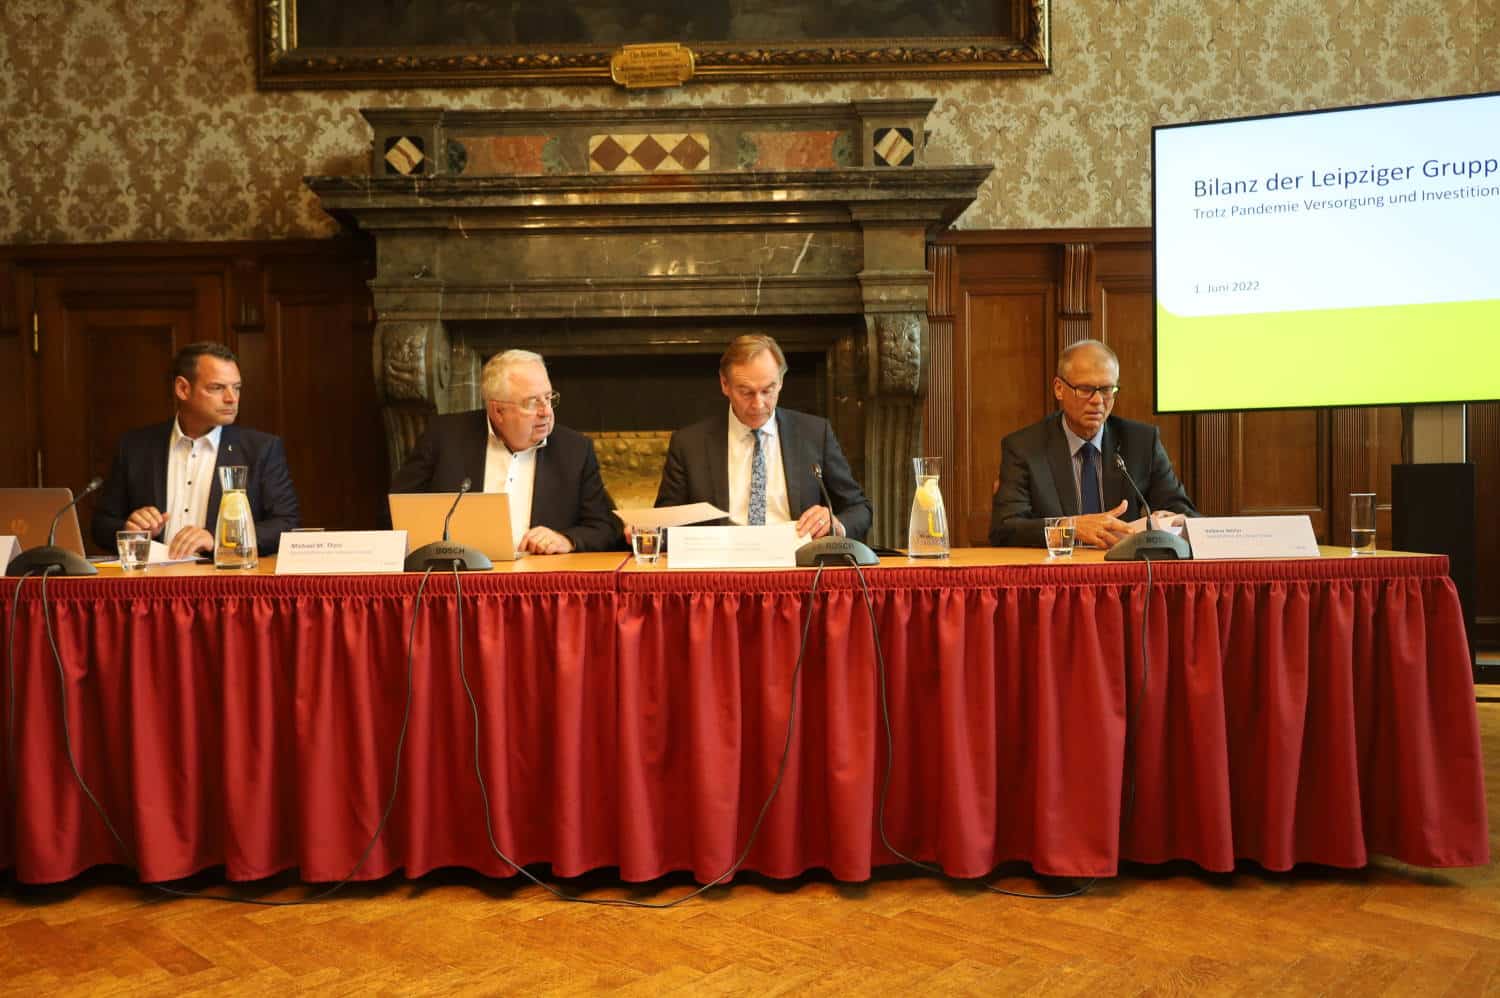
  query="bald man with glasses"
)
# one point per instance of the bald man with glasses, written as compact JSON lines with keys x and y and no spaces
{"x":558,"y":503}
{"x":1065,"y":465}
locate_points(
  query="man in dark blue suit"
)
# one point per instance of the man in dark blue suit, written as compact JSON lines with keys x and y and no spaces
{"x":558,"y":502}
{"x":755,"y":460}
{"x":1065,"y":465}
{"x":165,"y":480}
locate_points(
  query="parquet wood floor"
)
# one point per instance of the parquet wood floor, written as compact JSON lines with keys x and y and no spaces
{"x":1389,"y":929}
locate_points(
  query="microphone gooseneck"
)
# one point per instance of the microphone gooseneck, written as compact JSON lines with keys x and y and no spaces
{"x":92,"y":486}
{"x":463,"y":487}
{"x":1120,"y":463}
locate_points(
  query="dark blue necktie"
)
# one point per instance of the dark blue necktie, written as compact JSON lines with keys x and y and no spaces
{"x":1088,"y":480}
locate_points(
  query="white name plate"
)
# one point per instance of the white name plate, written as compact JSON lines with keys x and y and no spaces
{"x":1251,"y":537}
{"x":337,"y":552}
{"x":10,"y":546}
{"x":733,"y":547}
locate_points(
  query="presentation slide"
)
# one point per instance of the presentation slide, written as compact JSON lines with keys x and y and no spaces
{"x":1346,"y":257}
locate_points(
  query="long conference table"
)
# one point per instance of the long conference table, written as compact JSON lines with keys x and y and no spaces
{"x":1294,"y":711}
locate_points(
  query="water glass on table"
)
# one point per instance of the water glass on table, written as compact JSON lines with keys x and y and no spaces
{"x":1361,"y":523}
{"x":134,"y":547}
{"x":645,"y":544}
{"x":1058,"y":532}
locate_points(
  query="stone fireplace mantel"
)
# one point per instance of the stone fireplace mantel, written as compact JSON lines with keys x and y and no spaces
{"x":599,"y":254}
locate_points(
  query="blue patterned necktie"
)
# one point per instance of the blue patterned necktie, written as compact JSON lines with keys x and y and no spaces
{"x":757,"y":483}
{"x":1088,"y":480}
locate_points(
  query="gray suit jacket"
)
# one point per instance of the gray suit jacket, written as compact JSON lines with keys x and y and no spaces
{"x":1036,"y":478}
{"x":697,"y":468}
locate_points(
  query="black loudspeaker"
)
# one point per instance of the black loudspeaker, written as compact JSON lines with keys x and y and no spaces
{"x":1432,"y":511}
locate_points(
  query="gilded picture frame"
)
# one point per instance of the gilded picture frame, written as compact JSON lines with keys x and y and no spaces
{"x":431,"y":43}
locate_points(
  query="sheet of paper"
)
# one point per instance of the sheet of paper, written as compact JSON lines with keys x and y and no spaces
{"x":335,"y":552}
{"x":10,"y":546}
{"x":733,"y":547}
{"x":1252,"y":537}
{"x":671,"y":516}
{"x":159,"y":556}
{"x":1172,"y":526}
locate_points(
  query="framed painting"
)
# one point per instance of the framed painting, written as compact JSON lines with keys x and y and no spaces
{"x":430,"y":43}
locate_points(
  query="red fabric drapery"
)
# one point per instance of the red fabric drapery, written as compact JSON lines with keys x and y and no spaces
{"x":1308,"y":711}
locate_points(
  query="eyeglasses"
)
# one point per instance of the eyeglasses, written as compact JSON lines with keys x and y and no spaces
{"x":532,"y":403}
{"x":1085,"y":392}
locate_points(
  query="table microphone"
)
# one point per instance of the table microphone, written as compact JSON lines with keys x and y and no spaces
{"x":833,"y":549}
{"x":51,"y":559}
{"x":445,"y":554}
{"x":1149,"y":543}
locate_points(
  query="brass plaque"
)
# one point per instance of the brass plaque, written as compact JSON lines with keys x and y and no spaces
{"x":660,"y":65}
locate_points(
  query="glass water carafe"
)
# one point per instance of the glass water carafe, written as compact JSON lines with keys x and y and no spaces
{"x":927,"y":537}
{"x":234,"y":537}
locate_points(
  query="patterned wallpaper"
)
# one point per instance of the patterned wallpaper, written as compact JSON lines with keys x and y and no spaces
{"x":139,"y":119}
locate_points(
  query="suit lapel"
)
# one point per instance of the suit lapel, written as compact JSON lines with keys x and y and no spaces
{"x":475,"y":453}
{"x":717,"y":460}
{"x":231,"y":452}
{"x":1115,"y":488}
{"x":1060,"y":462}
{"x":157,"y":459}
{"x":792,"y":459}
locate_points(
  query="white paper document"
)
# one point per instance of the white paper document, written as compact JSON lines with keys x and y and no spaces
{"x":733,"y":547}
{"x":1252,"y":537}
{"x":671,"y":516}
{"x":1172,"y":523}
{"x":334,"y":552}
{"x":159,"y":556}
{"x":10,"y":546}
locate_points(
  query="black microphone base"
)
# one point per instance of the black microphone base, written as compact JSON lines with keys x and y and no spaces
{"x":445,"y":556}
{"x":60,"y":561}
{"x":1150,"y":544}
{"x":835,"y":551}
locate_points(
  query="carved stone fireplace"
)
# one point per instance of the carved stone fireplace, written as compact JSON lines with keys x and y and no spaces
{"x":628,"y":246}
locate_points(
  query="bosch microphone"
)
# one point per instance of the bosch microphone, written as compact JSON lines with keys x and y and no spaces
{"x":445,"y":554}
{"x":1149,"y":543}
{"x":833,"y":549}
{"x":51,"y":559}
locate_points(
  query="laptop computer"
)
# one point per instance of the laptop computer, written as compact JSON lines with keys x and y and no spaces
{"x":28,"y":514}
{"x":482,"y":521}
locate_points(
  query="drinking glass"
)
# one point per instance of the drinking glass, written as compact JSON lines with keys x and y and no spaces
{"x":135,"y":550}
{"x":645,"y":543}
{"x":1058,"y":532}
{"x":1361,"y":523}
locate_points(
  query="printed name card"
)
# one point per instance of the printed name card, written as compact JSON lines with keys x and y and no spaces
{"x":10,"y":546}
{"x":336,"y":552}
{"x":1251,"y":537}
{"x":733,"y":547}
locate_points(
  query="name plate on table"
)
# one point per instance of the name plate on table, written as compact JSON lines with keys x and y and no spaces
{"x":338,"y":552}
{"x":10,"y":546}
{"x":733,"y":547}
{"x":1251,"y":537}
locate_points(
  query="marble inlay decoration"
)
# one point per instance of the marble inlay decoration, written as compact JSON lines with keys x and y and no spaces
{"x":894,"y":147}
{"x":649,"y":153}
{"x":405,"y":155}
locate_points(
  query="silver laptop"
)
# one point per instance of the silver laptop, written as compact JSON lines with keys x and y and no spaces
{"x":482,"y":521}
{"x":28,"y":514}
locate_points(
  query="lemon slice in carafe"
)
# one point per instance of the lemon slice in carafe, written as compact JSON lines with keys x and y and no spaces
{"x":235,"y":506}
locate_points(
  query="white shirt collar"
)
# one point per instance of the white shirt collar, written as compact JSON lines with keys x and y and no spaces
{"x":212,"y":436}
{"x":741,"y":430}
{"x":496,"y":438}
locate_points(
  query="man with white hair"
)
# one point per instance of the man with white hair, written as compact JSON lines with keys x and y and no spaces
{"x":558,"y":502}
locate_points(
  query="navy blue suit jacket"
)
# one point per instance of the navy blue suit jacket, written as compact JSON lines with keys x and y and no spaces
{"x":568,"y":495}
{"x":1036,"y":478}
{"x":697,"y":468}
{"x":138,"y":478}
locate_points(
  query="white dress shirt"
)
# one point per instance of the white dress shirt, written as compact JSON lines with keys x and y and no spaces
{"x":190,"y":478}
{"x":514,"y":473}
{"x":741,"y":452}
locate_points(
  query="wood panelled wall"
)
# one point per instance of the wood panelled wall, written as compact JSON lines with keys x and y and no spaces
{"x":87,"y":334}
{"x":1005,"y":303}
{"x":298,"y":314}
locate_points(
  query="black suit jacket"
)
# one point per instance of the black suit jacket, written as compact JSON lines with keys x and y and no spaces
{"x":138,"y":478}
{"x":568,"y":495}
{"x":698,"y":468}
{"x":1036,"y":478}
